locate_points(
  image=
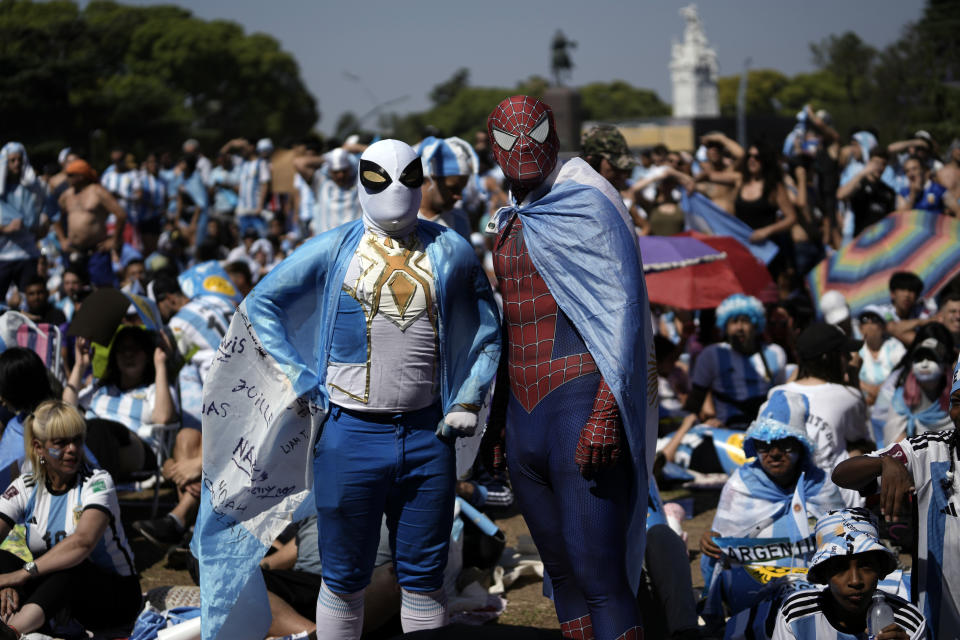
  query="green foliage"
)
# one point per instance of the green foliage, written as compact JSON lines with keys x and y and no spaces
{"x":763,"y":87}
{"x":462,"y":110}
{"x":849,"y":59}
{"x":444,"y":92}
{"x":912,"y":84}
{"x":617,"y":100}
{"x":141,"y":77}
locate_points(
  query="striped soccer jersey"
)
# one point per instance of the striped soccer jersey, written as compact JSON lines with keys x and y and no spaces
{"x":51,"y":517}
{"x":201,"y":323}
{"x":801,"y":617}
{"x":307,"y":202}
{"x":132,"y":408}
{"x":253,"y":174}
{"x":153,"y":202}
{"x":936,"y":577}
{"x":123,"y":185}
{"x":730,"y":375}
{"x":333,"y":205}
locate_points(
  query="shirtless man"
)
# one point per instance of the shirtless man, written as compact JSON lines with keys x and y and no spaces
{"x":716,"y":180}
{"x":88,"y":205}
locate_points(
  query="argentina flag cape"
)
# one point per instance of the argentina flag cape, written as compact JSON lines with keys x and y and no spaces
{"x":581,"y":240}
{"x":264,"y":402}
{"x":701,"y":214}
{"x":756,"y":518}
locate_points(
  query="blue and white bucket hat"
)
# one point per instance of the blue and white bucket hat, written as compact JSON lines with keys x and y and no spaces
{"x":447,"y":157}
{"x":847,"y":532}
{"x":783,"y":416}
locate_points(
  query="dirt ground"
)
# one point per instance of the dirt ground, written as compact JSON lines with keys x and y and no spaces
{"x":526,"y":605}
{"x":527,"y":609}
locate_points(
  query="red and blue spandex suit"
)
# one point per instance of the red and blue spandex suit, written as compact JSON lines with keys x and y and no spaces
{"x":562,"y":418}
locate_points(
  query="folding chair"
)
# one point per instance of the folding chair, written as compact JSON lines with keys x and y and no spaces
{"x":44,"y":339}
{"x":160,"y":438}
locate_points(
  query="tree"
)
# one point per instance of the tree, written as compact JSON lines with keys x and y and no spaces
{"x":850,"y":60}
{"x":617,"y":100}
{"x":446,"y":91}
{"x":146,"y":77}
{"x":763,"y":87}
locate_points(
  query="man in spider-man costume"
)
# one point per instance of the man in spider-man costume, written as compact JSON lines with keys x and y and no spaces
{"x":578,"y":384}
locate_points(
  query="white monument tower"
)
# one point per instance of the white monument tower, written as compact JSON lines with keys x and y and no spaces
{"x":694,"y":68}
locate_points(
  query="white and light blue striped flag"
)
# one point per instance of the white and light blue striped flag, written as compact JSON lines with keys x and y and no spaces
{"x":251,"y":412}
{"x":702,"y":215}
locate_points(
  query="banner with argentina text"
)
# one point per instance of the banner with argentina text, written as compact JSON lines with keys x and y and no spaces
{"x":754,"y":567}
{"x":258,"y":436}
{"x":701,"y":214}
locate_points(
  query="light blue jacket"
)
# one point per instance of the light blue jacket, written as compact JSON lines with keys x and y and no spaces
{"x":295,"y":307}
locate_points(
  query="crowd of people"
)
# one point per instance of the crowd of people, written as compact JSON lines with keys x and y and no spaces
{"x":817,"y":402}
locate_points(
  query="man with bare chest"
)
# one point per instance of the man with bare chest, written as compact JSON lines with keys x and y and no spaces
{"x":717,"y":179}
{"x":88,"y":205}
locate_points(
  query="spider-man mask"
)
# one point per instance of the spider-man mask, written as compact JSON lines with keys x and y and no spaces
{"x":525,"y":141}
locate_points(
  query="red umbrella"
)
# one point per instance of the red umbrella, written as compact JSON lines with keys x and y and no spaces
{"x":750,"y":271}
{"x":705,"y":286}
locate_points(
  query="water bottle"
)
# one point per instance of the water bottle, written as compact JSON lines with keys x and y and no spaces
{"x":880,"y":615}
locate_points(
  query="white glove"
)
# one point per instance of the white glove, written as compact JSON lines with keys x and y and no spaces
{"x":461,"y":421}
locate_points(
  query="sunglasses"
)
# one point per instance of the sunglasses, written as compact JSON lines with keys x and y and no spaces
{"x":786,"y":446}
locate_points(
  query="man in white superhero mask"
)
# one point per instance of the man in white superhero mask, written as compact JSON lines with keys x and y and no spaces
{"x":409,"y":358}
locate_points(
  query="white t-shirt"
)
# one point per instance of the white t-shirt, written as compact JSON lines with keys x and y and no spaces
{"x":937,"y":574}
{"x":801,"y":618}
{"x":838,"y":415}
{"x":49,"y":517}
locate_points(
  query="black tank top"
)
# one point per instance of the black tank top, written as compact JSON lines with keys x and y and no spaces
{"x":757,"y":213}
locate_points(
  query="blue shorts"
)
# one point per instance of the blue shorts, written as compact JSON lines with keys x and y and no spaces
{"x":370,"y":464}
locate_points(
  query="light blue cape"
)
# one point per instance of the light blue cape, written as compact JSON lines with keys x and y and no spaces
{"x":587,"y":256}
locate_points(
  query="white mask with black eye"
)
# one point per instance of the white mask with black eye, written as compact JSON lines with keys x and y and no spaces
{"x":390,"y":175}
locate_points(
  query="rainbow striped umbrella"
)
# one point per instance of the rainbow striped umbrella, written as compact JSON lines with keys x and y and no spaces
{"x":928,"y":244}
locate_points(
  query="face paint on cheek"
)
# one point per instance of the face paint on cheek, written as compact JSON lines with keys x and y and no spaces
{"x":55,"y":453}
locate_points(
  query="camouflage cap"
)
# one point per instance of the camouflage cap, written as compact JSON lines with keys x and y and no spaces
{"x":607,"y":141}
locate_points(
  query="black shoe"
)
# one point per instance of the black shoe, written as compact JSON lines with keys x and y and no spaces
{"x":162,"y":532}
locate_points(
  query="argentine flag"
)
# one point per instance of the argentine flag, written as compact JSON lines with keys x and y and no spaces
{"x":701,"y":214}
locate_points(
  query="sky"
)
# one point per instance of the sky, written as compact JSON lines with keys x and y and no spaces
{"x":357,"y":56}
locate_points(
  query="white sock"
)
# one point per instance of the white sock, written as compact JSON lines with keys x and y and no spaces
{"x":339,"y":616}
{"x":423,"y":610}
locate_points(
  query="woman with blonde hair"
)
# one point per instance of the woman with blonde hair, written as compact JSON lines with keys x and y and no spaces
{"x":73,"y":530}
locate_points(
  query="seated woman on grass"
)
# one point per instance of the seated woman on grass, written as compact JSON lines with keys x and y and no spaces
{"x":81,"y":560}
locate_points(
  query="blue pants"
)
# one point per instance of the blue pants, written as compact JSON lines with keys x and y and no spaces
{"x":368,"y":464}
{"x":578,"y":525}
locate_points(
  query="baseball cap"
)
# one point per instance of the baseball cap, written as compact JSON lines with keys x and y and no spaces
{"x":834,"y":307}
{"x":606,"y":140}
{"x":871,"y":313}
{"x":264,"y":145}
{"x":820,"y":338}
